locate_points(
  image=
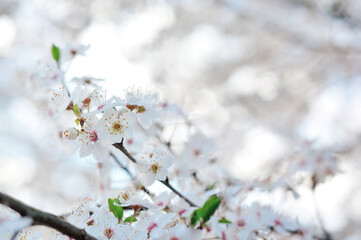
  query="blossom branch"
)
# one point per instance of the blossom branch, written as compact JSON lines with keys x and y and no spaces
{"x":122,"y":166}
{"x":166,"y":183}
{"x":43,"y":218}
{"x":121,"y":147}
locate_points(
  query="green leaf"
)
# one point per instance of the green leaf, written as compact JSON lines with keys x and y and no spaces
{"x":128,"y":219}
{"x":223,"y":220}
{"x":77,"y":121}
{"x":210,"y":186}
{"x":195,"y":216}
{"x":204,"y":213}
{"x":115,"y":209}
{"x":56,"y":53}
{"x":210,"y":207}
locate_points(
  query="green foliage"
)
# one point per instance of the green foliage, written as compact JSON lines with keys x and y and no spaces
{"x":195,"y":217}
{"x":204,"y":213}
{"x":128,"y":219}
{"x":223,"y":220}
{"x":55,"y":51}
{"x":210,"y":207}
{"x":115,"y":209}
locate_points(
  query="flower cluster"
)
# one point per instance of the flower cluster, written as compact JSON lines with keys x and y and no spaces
{"x":202,"y":201}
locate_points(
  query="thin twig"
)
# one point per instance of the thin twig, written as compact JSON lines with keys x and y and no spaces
{"x":121,"y":165}
{"x":43,"y":218}
{"x":121,"y":147}
{"x":166,"y":183}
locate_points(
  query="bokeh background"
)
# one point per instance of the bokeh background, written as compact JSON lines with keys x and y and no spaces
{"x":258,"y":76}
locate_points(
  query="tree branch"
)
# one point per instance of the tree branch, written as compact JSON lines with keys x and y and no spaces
{"x":121,"y":147}
{"x":121,"y":165}
{"x":129,"y":173}
{"x":166,"y":183}
{"x":43,"y":218}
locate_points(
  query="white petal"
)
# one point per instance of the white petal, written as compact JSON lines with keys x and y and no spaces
{"x":162,"y":174}
{"x":147,"y":179}
{"x":144,"y":120}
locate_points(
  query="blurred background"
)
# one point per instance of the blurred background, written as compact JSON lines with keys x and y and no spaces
{"x":256,"y":75}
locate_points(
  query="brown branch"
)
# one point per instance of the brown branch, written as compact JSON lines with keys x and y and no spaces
{"x":43,"y":218}
{"x":166,"y":183}
{"x":121,"y":147}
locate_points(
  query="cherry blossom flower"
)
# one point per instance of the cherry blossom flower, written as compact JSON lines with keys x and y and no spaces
{"x":89,"y":142}
{"x":154,"y":223}
{"x":30,"y":234}
{"x":70,"y":51}
{"x":153,"y":165}
{"x":197,"y":151}
{"x":318,"y":164}
{"x":113,"y":127}
{"x":181,"y":208}
{"x":87,"y":80}
{"x":47,"y":76}
{"x":145,"y":106}
{"x":71,"y":133}
{"x":130,"y":196}
{"x":9,"y":227}
{"x":180,"y":232}
{"x":81,"y":215}
{"x":163,"y":199}
{"x":60,"y":99}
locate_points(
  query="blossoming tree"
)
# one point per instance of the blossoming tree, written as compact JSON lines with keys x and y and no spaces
{"x":200,"y":200}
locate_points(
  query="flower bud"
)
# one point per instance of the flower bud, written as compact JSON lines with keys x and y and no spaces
{"x":70,"y":133}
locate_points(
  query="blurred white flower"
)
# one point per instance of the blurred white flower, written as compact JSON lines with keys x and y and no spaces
{"x":70,"y":51}
{"x":10,"y":227}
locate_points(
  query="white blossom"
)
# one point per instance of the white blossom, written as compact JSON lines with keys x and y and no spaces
{"x":113,"y":127}
{"x":153,"y":165}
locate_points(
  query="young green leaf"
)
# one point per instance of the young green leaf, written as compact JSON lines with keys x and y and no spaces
{"x":128,"y":219}
{"x":56,"y":53}
{"x":223,"y":220}
{"x":204,"y":213}
{"x":195,"y":217}
{"x":115,"y":209}
{"x":210,"y":207}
